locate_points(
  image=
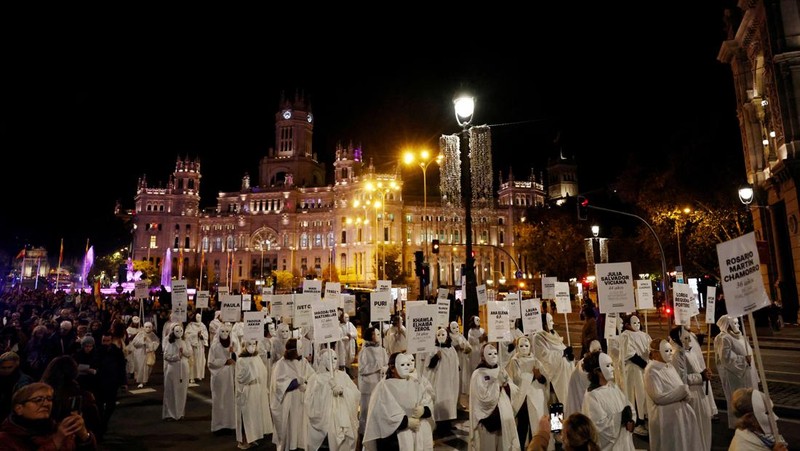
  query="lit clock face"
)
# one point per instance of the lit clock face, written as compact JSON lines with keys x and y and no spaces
{"x":287,"y":114}
{"x":310,"y":118}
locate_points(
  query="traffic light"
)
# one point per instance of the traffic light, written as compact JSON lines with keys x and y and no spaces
{"x":425,"y":277}
{"x":583,"y":206}
{"x":418,"y":259}
{"x":435,"y":246}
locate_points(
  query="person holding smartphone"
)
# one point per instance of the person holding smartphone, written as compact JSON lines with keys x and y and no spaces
{"x":606,"y":405}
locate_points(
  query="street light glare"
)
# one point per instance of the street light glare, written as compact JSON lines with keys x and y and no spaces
{"x":424,"y":154}
{"x":408,"y":157}
{"x":465,"y":106}
{"x":746,"y":194}
{"x":687,"y":210}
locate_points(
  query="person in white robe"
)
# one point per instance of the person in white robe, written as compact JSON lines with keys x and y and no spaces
{"x":753,"y":429}
{"x":222,"y":368}
{"x":373,"y":363}
{"x":634,"y":351}
{"x":279,"y":339}
{"x":396,"y":338}
{"x":214,"y":326}
{"x":253,"y":417}
{"x":463,"y":349}
{"x":441,"y":370}
{"x":331,"y":403}
{"x":555,"y":358}
{"x":265,"y":354}
{"x":476,"y":335}
{"x":692,"y":371}
{"x":131,"y":332}
{"x":426,"y":425}
{"x":534,"y":392}
{"x":176,"y":374}
{"x":397,"y":408}
{"x":733,"y":356}
{"x":606,"y":405}
{"x":197,"y":337}
{"x":579,"y":383}
{"x":700,"y":358}
{"x":346,"y":347}
{"x":144,"y":346}
{"x":672,"y":424}
{"x":492,"y":423}
{"x":289,"y":383}
{"x":237,"y":335}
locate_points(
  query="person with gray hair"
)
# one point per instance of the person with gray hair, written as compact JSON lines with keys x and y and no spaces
{"x":753,"y":429}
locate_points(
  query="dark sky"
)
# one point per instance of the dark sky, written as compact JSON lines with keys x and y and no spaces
{"x":85,"y":112}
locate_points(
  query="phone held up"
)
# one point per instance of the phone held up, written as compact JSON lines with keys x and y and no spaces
{"x":556,"y":417}
{"x":75,"y":404}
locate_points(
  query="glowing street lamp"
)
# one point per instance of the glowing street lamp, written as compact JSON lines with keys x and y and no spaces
{"x":423,"y":159}
{"x":464,"y":106}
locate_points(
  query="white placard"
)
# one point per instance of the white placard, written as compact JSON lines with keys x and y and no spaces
{"x":740,"y":271}
{"x":202,"y":299}
{"x":711,"y":303}
{"x":421,"y":326}
{"x":180,"y":301}
{"x":483,"y":296}
{"x":253,"y":325}
{"x":349,"y":304}
{"x":230,"y":308}
{"x":563,"y":301}
{"x":682,"y":297}
{"x":222,"y":291}
{"x":276,"y":303}
{"x":333,"y":292}
{"x":513,"y":305}
{"x":610,"y":330}
{"x":615,"y":287}
{"x":303,"y":312}
{"x":142,"y":290}
{"x":497,"y":321}
{"x":312,"y":286}
{"x":694,"y":308}
{"x":443,"y":315}
{"x":531,"y":316}
{"x":247,"y":299}
{"x":549,"y":287}
{"x":442,"y":293}
{"x":384,"y":285}
{"x":326,"y":322}
{"x":379,"y":305}
{"x":644,"y":294}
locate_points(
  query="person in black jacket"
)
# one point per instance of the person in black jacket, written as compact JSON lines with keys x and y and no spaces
{"x":111,"y":375}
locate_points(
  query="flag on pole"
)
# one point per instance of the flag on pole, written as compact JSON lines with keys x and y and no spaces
{"x":21,"y":254}
{"x":180,"y":264}
{"x":61,"y":254}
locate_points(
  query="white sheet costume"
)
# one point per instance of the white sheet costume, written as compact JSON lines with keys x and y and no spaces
{"x":197,"y":337}
{"x":605,"y":404}
{"x":331,"y":403}
{"x":578,"y":384}
{"x":634,"y":351}
{"x":532,"y":398}
{"x":396,"y":338}
{"x":289,"y":378}
{"x":690,"y":367}
{"x":550,"y":351}
{"x":373,"y":362}
{"x":492,"y":425}
{"x":671,"y":420}
{"x":731,"y":351}
{"x":214,"y":326}
{"x":396,"y":410}
{"x":146,"y":341}
{"x":474,"y":335}
{"x":463,"y":349}
{"x":253,"y":416}
{"x":131,"y":333}
{"x":176,"y":373}
{"x":441,"y":370}
{"x":346,"y":347}
{"x":222,"y":369}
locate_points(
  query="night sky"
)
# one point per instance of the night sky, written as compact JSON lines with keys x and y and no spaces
{"x":86,"y":112}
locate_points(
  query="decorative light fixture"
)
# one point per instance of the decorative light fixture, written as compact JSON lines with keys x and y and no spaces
{"x":746,"y":194}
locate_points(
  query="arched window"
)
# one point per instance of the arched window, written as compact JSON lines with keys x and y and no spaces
{"x":218,"y":244}
{"x":191,"y":183}
{"x":230,"y":242}
{"x":176,"y":242}
{"x":331,"y":240}
{"x":186,"y":243}
{"x":501,"y":237}
{"x":304,"y":241}
{"x":205,"y":243}
{"x":318,"y":240}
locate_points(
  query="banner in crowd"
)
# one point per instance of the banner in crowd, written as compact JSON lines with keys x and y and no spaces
{"x":711,"y":304}
{"x":384,"y":285}
{"x":549,"y":287}
{"x":531,"y":316}
{"x":610,"y":330}
{"x":253,"y":326}
{"x":303,"y":313}
{"x":483,"y":296}
{"x":326,"y":322}
{"x":443,"y":312}
{"x":222,"y":291}
{"x":497,"y":321}
{"x":421,"y":326}
{"x":563,"y":300}
{"x":740,"y":271}
{"x":349,"y":304}
{"x":202,"y":299}
{"x":682,"y":297}
{"x":142,"y":290}
{"x":615,"y":287}
{"x":230,"y":308}
{"x":180,"y":301}
{"x":513,"y":305}
{"x":644,"y":294}
{"x":379,"y":305}
{"x":442,"y":293}
{"x":312,"y":286}
{"x":247,"y":299}
{"x":333,"y":293}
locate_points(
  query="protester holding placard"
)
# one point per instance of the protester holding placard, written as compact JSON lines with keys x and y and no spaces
{"x":253,"y":419}
{"x":373,"y":362}
{"x":331,"y":403}
{"x":492,"y":424}
{"x":176,"y":373}
{"x":463,"y":349}
{"x":346,"y":347}
{"x":144,"y":353}
{"x":222,"y":369}
{"x":476,"y":335}
{"x":213,"y":326}
{"x":555,"y":358}
{"x":441,"y":370}
{"x":606,"y":405}
{"x":534,"y":392}
{"x":734,"y":358}
{"x":197,"y":337}
{"x":289,"y":383}
{"x":634,"y":347}
{"x":579,"y":383}
{"x":693,"y":373}
{"x":396,"y":337}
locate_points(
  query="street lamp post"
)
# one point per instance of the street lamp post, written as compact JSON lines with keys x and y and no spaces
{"x":464,"y":109}
{"x":423,"y":160}
{"x":686,"y":210}
{"x":746,"y":196}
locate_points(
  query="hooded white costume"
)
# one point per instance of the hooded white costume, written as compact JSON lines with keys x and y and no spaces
{"x":463,"y":349}
{"x":331,"y":403}
{"x":372,"y":365}
{"x":253,"y":416}
{"x":441,"y":370}
{"x":671,"y":421}
{"x":578,"y":384}
{"x":604,"y":405}
{"x":731,"y":352}
{"x":474,"y":334}
{"x":690,"y":366}
{"x":222,"y":369}
{"x":176,"y":373}
{"x":146,"y":342}
{"x":492,"y":424}
{"x":131,"y":333}
{"x":197,"y":337}
{"x":551,"y":353}
{"x":533,"y":395}
{"x":634,"y":351}
{"x":346,"y":347}
{"x":289,"y":378}
{"x":396,"y":338}
{"x":213,"y":326}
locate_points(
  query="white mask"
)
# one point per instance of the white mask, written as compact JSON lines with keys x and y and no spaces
{"x":177,"y":331}
{"x":524,"y":347}
{"x":148,"y":327}
{"x":441,"y":336}
{"x":330,"y":359}
{"x":477,"y":321}
{"x":284,"y":332}
{"x":376,"y":336}
{"x":198,"y":318}
{"x":734,"y":325}
{"x":251,"y":347}
{"x":550,"y":322}
{"x":454,"y":327}
{"x":761,"y":411}
{"x":413,"y":362}
{"x":665,"y":348}
{"x":490,"y":355}
{"x":686,"y":339}
{"x":224,"y":332}
{"x":636,"y":325}
{"x":403,"y":365}
{"x":271,"y":329}
{"x":346,"y":318}
{"x":135,"y":321}
{"x":595,"y":346}
{"x":606,"y":367}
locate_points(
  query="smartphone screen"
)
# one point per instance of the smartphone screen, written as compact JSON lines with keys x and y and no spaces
{"x":556,"y":417}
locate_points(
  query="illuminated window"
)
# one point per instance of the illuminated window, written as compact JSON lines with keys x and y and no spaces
{"x":153,"y":242}
{"x":304,"y":241}
{"x":318,"y":240}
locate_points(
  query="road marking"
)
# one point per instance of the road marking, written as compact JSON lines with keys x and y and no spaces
{"x":203,"y":398}
{"x":781,"y":372}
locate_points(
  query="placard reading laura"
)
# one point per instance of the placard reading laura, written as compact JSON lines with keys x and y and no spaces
{"x":615,"y":287}
{"x":711,"y":301}
{"x":740,"y":270}
{"x":681,"y":298}
{"x":253,"y":325}
{"x":379,"y":305}
{"x":202,"y":299}
{"x":326,"y":322}
{"x":644,"y":294}
{"x":180,"y":301}
{"x":563,"y":304}
{"x":549,"y":287}
{"x":303,"y":314}
{"x":421,"y":326}
{"x":230,"y":308}
{"x":141,"y":290}
{"x":531,"y":315}
{"x":443,"y":312}
{"x":497,"y":321}
{"x":312,"y":286}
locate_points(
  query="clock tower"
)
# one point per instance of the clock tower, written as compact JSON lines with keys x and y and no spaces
{"x":292,"y":160}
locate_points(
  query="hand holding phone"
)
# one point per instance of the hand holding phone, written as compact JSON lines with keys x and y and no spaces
{"x":556,"y":417}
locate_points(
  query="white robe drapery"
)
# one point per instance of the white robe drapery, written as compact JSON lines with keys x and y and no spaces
{"x":549,"y":351}
{"x":734,"y":372}
{"x":578,"y":384}
{"x":486,"y":394}
{"x":143,"y":343}
{"x":392,"y":400}
{"x":634,"y":343}
{"x":223,"y":415}
{"x":196,"y":335}
{"x":334,"y":417}
{"x":442,"y":378}
{"x":288,"y":412}
{"x":176,"y":378}
{"x":604,"y":406}
{"x":372,"y":360}
{"x":689,"y":366}
{"x":463,"y":349}
{"x":252,"y":400}
{"x":531,"y":392}
{"x":672,"y":423}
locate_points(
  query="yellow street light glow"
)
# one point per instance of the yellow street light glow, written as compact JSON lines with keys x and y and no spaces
{"x":408,"y":157}
{"x":424,"y":154}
